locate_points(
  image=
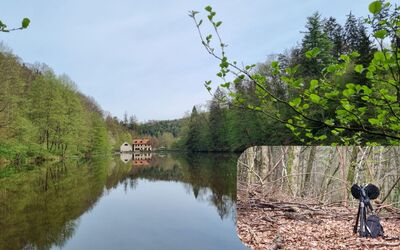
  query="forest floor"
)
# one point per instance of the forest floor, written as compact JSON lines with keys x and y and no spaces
{"x":279,"y":222}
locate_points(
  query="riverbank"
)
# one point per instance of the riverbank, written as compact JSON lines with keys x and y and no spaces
{"x":23,"y":153}
{"x":281,"y":222}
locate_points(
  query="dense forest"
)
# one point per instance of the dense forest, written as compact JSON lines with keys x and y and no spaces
{"x":43,"y":115}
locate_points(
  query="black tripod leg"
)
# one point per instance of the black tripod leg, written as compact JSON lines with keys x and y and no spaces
{"x":366,"y":230}
{"x":358,"y":217}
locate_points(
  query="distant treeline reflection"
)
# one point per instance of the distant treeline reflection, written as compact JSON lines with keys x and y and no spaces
{"x":40,"y":208}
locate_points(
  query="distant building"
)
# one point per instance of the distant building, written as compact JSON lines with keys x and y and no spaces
{"x":125,"y":147}
{"x":142,"y":145}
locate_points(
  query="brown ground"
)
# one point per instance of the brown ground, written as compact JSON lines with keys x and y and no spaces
{"x":282,"y":223}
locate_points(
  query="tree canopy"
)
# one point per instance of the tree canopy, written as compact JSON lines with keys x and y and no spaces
{"x":340,"y":87}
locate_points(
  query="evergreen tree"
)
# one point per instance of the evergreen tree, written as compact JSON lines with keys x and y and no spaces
{"x":335,"y":33}
{"x":193,"y":137}
{"x":351,"y":33}
{"x":315,"y":37}
{"x":218,"y":122}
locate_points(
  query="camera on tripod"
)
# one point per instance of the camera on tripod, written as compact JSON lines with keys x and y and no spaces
{"x":366,"y":227}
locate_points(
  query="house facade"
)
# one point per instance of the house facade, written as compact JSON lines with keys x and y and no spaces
{"x":142,"y":145}
{"x":125,"y":147}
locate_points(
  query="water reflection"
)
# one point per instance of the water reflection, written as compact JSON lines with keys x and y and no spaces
{"x":125,"y":157}
{"x":74,"y":204}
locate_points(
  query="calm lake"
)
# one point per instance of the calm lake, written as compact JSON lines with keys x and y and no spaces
{"x":169,"y":201}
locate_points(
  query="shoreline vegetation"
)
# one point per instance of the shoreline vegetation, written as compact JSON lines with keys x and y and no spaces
{"x":44,"y":117}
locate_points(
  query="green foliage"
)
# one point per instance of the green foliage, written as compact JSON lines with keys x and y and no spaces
{"x":44,"y":115}
{"x":157,"y":128}
{"x":335,"y":88}
{"x":375,"y":7}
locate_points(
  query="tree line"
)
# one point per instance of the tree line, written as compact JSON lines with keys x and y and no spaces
{"x":44,"y":115}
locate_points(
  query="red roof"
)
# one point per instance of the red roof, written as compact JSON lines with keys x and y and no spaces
{"x":141,"y":141}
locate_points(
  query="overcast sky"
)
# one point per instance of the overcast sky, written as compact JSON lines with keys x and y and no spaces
{"x":145,"y":57}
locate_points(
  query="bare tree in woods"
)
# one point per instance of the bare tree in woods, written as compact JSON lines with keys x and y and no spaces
{"x":324,"y":173}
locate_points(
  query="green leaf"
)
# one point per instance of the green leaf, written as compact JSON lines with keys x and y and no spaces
{"x":25,"y":23}
{"x":208,"y":8}
{"x":341,"y":112}
{"x":329,"y":122}
{"x":313,"y":84}
{"x":375,"y":7}
{"x":348,"y":106}
{"x":315,"y":98}
{"x":354,"y":54}
{"x":226,"y":85}
{"x":359,"y":68}
{"x":295,"y":102}
{"x":380,"y":34}
{"x":379,"y":56}
{"x":366,"y":90}
{"x":218,"y":24}
{"x":313,"y":53}
{"x":373,"y":121}
{"x":275,"y":64}
{"x":348,"y":92}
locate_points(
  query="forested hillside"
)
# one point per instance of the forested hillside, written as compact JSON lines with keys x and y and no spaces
{"x":43,"y":115}
{"x":338,"y":85}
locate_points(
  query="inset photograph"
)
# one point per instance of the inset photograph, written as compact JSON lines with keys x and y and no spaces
{"x":319,"y":197}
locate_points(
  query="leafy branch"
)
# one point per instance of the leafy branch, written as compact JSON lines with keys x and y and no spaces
{"x":359,"y":110}
{"x":24,"y":24}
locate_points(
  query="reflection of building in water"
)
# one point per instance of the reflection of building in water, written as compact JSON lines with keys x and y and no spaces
{"x":141,"y":162}
{"x":125,"y":147}
{"x":125,"y":157}
{"x":142,"y":156}
{"x":142,"y":145}
{"x":141,"y":159}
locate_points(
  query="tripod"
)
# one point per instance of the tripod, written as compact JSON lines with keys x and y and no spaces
{"x":364,"y":194}
{"x":361,"y":220}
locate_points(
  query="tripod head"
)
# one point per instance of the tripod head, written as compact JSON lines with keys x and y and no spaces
{"x":370,"y":191}
{"x":365,"y":194}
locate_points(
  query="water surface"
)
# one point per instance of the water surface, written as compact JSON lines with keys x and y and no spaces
{"x":158,"y":202}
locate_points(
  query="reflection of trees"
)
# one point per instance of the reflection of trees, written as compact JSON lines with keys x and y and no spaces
{"x":211,"y":177}
{"x":39,"y":208}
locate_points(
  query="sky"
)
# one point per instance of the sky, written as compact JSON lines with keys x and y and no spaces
{"x":145,"y":57}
